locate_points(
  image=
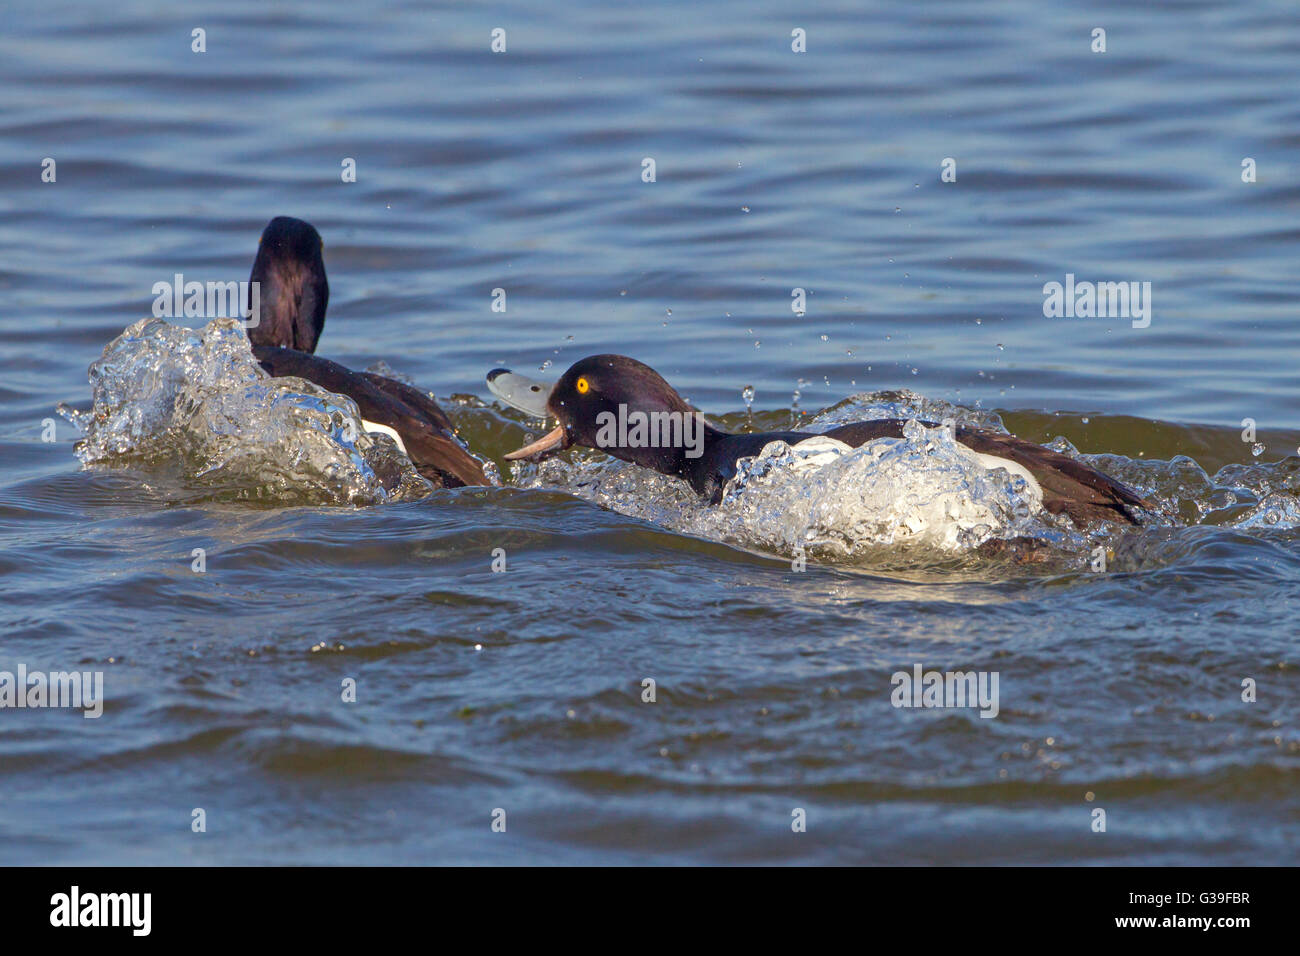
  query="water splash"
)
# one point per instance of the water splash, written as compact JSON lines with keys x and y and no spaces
{"x":921,"y":496}
{"x":1254,"y":495}
{"x":198,"y":401}
{"x":905,"y":404}
{"x":924,"y":491}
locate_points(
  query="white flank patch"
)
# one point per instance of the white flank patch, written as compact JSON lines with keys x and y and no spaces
{"x":1006,"y":464}
{"x":397,"y":439}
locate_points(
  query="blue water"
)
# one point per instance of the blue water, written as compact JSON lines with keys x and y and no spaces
{"x":775,"y":170}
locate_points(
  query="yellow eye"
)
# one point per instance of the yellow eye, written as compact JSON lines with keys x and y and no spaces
{"x":582,"y":385}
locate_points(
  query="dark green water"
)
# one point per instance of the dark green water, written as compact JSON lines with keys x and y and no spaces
{"x":522,"y":690}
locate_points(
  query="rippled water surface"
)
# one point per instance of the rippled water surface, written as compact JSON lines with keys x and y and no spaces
{"x":522,"y":691}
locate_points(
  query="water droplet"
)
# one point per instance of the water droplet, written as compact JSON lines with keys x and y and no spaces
{"x":825,"y":338}
{"x":544,"y":366}
{"x":1257,"y":449}
{"x":744,"y":209}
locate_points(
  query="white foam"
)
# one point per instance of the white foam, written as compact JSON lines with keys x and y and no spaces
{"x":198,"y":400}
{"x":820,"y":496}
{"x":1013,"y":467}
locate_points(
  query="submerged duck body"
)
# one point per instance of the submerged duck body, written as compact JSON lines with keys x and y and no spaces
{"x":602,"y":389}
{"x":294,"y":294}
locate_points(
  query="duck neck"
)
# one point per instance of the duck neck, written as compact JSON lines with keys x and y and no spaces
{"x":709,"y":473}
{"x":685,"y":452}
{"x":708,"y":470}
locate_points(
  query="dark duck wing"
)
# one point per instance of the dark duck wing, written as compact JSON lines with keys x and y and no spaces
{"x":1071,"y":488}
{"x":293,"y":295}
{"x":1083,"y":494}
